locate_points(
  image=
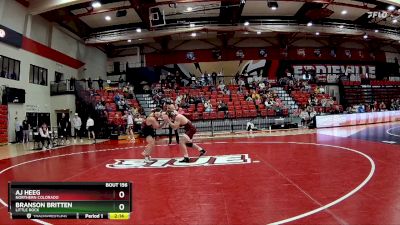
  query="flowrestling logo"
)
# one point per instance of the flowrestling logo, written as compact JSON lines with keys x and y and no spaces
{"x":174,"y":163}
{"x":2,"y":33}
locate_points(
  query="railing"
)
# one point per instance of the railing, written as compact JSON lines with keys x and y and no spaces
{"x":234,"y":125}
{"x":62,"y":87}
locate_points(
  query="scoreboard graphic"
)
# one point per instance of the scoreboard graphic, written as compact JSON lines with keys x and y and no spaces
{"x":70,"y":200}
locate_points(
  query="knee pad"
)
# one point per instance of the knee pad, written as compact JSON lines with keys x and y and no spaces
{"x":189,"y":144}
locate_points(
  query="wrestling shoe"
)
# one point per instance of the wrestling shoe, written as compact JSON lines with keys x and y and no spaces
{"x":185,"y":160}
{"x":202,"y":152}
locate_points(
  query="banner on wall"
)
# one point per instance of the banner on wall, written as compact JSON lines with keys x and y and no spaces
{"x":357,"y":119}
{"x":10,"y":37}
{"x":330,"y":73}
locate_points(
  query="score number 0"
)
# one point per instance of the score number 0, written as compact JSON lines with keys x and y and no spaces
{"x":121,"y":194}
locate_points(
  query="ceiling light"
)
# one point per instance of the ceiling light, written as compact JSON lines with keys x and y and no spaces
{"x":391,"y":8}
{"x":246,"y":23}
{"x":138,"y":30}
{"x":246,"y":32}
{"x":129,"y":40}
{"x":189,"y":9}
{"x":96,"y":4}
{"x":140,"y":39}
{"x":394,"y":21}
{"x":344,"y":12}
{"x":341,"y":26}
{"x":191,"y":25}
{"x":365,"y":36}
{"x":272,"y":5}
{"x":258,"y":32}
{"x":108,"y":18}
{"x":317,"y":33}
{"x":376,"y":31}
{"x":309,"y":24}
{"x":193,"y":34}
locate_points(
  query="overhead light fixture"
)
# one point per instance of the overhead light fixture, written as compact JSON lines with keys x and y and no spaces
{"x":272,"y":5}
{"x":193,"y":34}
{"x":258,"y":32}
{"x":189,"y":9}
{"x":376,"y":31}
{"x":129,"y":41}
{"x":191,"y":25}
{"x":395,"y":21}
{"x":365,"y":36}
{"x":391,"y":8}
{"x":96,"y":4}
{"x":341,"y":26}
{"x":108,"y":18}
{"x":140,"y":39}
{"x":246,"y":32}
{"x":309,"y":24}
{"x":246,"y":23}
{"x":138,"y":30}
{"x":344,"y":12}
{"x":317,"y":33}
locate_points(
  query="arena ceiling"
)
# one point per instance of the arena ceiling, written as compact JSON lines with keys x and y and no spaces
{"x":223,"y":19}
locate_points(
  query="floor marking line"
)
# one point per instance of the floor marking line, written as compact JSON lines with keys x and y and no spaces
{"x":352,"y":192}
{"x":340,"y":220}
{"x":388,"y":132}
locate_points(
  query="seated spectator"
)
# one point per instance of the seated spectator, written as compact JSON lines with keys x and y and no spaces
{"x":222,"y":106}
{"x":268,"y":103}
{"x":360,"y":109}
{"x":208,"y":107}
{"x":221,"y":86}
{"x":99,"y":106}
{"x":305,"y":117}
{"x":117,"y":97}
{"x":44,"y":136}
{"x":382,"y":106}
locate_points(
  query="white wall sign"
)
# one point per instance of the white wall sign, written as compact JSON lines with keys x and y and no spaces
{"x":330,"y":73}
{"x":32,"y":108}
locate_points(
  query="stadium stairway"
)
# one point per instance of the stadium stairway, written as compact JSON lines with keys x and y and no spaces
{"x":286,"y":99}
{"x":147,"y":102}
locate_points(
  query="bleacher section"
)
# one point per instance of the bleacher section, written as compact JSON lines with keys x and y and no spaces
{"x":238,"y":107}
{"x":354,"y":92}
{"x":286,"y":98}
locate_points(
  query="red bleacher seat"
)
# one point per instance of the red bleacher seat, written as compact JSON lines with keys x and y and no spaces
{"x":221,"y":115}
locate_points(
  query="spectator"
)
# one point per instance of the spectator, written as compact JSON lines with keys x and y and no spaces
{"x":44,"y":136}
{"x":25,"y":130}
{"x":214,"y":78}
{"x":90,"y":128}
{"x":63,"y":126}
{"x":18,"y":130}
{"x":221,"y":86}
{"x":77,"y":124}
{"x":90,"y":83}
{"x":222,"y":106}
{"x":120,"y":82}
{"x":130,"y":127}
{"x":100,"y":81}
{"x":72,"y":84}
{"x":100,"y":107}
{"x":382,"y":106}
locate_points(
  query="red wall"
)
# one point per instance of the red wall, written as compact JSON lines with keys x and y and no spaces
{"x":44,"y":51}
{"x":159,"y":59}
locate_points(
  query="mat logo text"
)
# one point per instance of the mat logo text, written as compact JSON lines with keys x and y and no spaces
{"x":174,"y":163}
